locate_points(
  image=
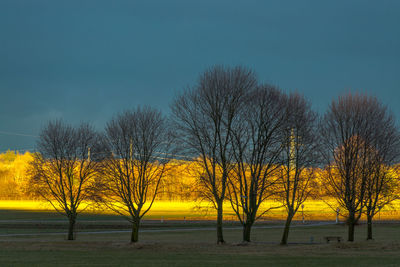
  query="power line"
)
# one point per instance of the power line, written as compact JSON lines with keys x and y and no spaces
{"x":36,"y":136}
{"x":19,"y":134}
{"x":173,"y":155}
{"x":32,"y":150}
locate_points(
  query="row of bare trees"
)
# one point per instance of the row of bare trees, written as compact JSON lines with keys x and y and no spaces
{"x":120,"y":169}
{"x":257,"y":143}
{"x":252,"y":141}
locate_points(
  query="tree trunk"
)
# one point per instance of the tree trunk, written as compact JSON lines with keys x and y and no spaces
{"x":135,"y":231}
{"x":286,"y":230}
{"x":220,"y":237}
{"x":369,"y":222}
{"x":246,"y":231}
{"x":351,"y":222}
{"x":71,"y":228}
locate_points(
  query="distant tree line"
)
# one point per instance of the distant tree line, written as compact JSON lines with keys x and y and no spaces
{"x":250,"y":142}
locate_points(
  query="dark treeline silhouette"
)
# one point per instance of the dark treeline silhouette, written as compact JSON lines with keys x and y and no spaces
{"x":360,"y":140}
{"x":298,"y":158}
{"x":250,"y":141}
{"x":205,"y":117}
{"x":256,"y":146}
{"x":132,"y":169}
{"x":62,"y":170}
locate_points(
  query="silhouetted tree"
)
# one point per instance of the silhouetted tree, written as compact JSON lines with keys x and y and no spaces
{"x":256,"y":144}
{"x":62,"y":170}
{"x":298,"y":157}
{"x":204,"y":116}
{"x":348,"y":131}
{"x":137,"y":152}
{"x":383,"y":154}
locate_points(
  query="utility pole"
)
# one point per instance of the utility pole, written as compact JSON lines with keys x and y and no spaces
{"x":130,"y":149}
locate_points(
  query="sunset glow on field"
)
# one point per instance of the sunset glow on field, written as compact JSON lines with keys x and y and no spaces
{"x":191,"y":210}
{"x":199,"y":133}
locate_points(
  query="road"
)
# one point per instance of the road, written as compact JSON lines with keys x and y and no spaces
{"x":157,"y":230}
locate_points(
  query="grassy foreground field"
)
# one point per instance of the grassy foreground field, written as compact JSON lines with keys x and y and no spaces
{"x":185,"y":244}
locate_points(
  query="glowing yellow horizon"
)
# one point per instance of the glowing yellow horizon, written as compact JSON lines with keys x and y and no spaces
{"x":190,"y":210}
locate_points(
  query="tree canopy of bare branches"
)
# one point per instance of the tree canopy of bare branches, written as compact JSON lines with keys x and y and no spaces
{"x":204,"y":116}
{"x":62,"y":170}
{"x":383,"y":153}
{"x":256,"y":145}
{"x":137,"y":148}
{"x":358,"y":135}
{"x":298,"y":157}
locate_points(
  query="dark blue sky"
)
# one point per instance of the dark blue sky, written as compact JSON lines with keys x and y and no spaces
{"x":87,"y":60}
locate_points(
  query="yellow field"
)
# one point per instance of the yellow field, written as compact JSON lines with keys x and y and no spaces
{"x":14,"y":183}
{"x":164,"y":210}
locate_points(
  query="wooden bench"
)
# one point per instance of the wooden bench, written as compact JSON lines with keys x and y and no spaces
{"x":330,"y":238}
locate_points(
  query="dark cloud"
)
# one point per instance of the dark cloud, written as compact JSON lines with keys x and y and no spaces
{"x":87,"y":60}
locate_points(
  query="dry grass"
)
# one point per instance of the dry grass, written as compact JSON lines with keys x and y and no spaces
{"x":198,"y":248}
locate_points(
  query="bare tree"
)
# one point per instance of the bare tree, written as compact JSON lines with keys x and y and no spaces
{"x":298,"y":157}
{"x":137,"y":152}
{"x":256,"y":144}
{"x":383,"y":154}
{"x":204,"y":116}
{"x":62,"y":170}
{"x":348,"y":131}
